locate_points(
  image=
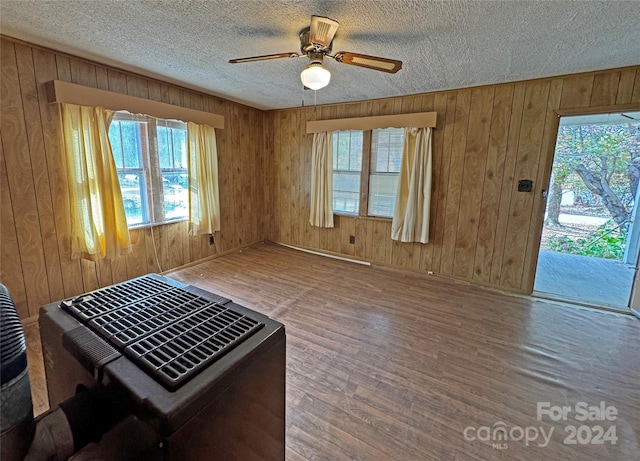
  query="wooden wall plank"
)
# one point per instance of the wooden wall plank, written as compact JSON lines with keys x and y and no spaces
{"x":257,"y":200}
{"x":529,"y":148}
{"x":508,"y":184}
{"x":472,"y":184}
{"x":21,"y":182}
{"x":137,"y":86}
{"x":447,"y":121}
{"x":625,"y":86}
{"x":35,"y":135}
{"x":266,"y":176}
{"x":46,"y":70}
{"x":492,"y":187}
{"x":605,"y":89}
{"x":238,"y":199}
{"x":137,"y":260}
{"x":224,"y":179}
{"x":102,"y":78}
{"x":103,"y":272}
{"x":310,"y":233}
{"x":117,"y":81}
{"x":347,"y":228}
{"x":151,"y":250}
{"x":276,"y":207}
{"x":246,"y":187}
{"x":89,"y":275}
{"x":635,"y":95}
{"x":545,"y":162}
{"x":293,"y":189}
{"x":285,"y":173}
{"x":83,"y":73}
{"x":577,"y":92}
{"x":155,"y":90}
{"x":11,"y":272}
{"x":456,"y":169}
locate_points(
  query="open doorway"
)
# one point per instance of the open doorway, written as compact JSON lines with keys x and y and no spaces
{"x":589,"y":246}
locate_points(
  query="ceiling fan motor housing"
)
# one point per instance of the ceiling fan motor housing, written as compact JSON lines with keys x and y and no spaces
{"x":306,"y":47}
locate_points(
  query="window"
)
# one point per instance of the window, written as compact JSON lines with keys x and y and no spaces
{"x":380,"y":150}
{"x":151,"y":159}
{"x":386,"y":157}
{"x":347,"y":165}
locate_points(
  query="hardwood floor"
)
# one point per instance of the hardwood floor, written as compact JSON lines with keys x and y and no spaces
{"x":388,"y":365}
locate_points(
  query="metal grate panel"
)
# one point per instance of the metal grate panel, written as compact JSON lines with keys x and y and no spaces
{"x":165,"y":329}
{"x":180,"y":351}
{"x":100,"y":302}
{"x":139,"y":319}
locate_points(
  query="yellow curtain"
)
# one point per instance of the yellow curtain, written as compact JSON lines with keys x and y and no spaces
{"x":204,"y":198}
{"x":413,"y":197}
{"x":98,"y":221}
{"x":322,"y":180}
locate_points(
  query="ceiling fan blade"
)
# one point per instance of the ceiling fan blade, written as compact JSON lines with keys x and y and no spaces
{"x":322,"y":30}
{"x":265,"y":57}
{"x":390,"y":66}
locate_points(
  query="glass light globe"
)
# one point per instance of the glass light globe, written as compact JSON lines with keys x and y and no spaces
{"x":314,"y":76}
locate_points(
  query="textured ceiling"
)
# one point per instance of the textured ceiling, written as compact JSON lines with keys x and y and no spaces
{"x":443,"y":44}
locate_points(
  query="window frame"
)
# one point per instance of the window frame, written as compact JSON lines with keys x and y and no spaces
{"x":153,"y":205}
{"x":382,"y":173}
{"x":365,"y":174}
{"x":335,"y":160}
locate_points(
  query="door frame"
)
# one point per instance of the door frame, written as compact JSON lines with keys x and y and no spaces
{"x":540,"y":198}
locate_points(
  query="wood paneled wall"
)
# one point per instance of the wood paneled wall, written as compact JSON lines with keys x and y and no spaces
{"x":35,"y":261}
{"x":487,"y":138}
{"x":482,"y":230}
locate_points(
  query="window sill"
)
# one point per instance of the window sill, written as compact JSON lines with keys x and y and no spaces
{"x":369,"y":218}
{"x":136,"y":227}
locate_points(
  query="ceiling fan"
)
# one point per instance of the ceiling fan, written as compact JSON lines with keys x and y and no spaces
{"x":316,"y":43}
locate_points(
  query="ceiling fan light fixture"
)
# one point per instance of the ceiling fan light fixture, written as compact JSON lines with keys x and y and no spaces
{"x":315,"y":76}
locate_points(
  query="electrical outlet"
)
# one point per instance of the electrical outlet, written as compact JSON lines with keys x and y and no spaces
{"x":211,"y":240}
{"x":352,"y":239}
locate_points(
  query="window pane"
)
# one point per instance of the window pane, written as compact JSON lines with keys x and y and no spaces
{"x":132,"y":186}
{"x":346,"y":192}
{"x":382,"y":194}
{"x":131,"y":145}
{"x":347,"y":164}
{"x":116,"y":144}
{"x":164,"y":147}
{"x":180,"y":148}
{"x":355,"y":157}
{"x":173,"y":165}
{"x":386,"y":150}
{"x":176,"y":194}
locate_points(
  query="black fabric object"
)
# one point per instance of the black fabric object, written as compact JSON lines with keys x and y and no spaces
{"x":92,"y":412}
